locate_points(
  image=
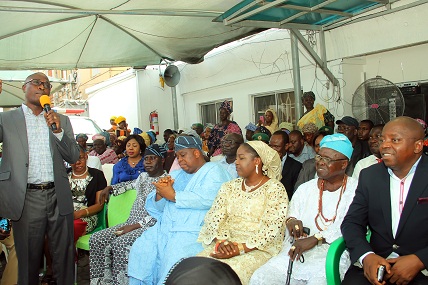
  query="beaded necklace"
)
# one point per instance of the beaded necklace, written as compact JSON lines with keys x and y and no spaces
{"x":320,"y":216}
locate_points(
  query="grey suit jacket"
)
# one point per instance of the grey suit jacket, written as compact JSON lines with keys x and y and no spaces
{"x":15,"y":159}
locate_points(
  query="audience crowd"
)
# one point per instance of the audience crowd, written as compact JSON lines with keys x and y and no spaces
{"x":224,"y":207}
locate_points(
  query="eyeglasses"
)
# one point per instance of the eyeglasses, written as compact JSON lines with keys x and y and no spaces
{"x":38,"y":82}
{"x":327,"y":160}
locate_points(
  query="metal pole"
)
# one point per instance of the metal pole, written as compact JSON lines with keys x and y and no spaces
{"x":174,"y":108}
{"x":296,"y":75}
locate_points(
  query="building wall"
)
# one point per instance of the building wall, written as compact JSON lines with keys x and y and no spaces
{"x":132,"y":94}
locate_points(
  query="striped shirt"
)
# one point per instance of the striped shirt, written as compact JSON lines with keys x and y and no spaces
{"x":40,"y":167}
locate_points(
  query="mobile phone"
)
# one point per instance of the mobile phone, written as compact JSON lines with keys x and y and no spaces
{"x":5,"y":225}
{"x":306,"y":231}
{"x":380,"y":273}
{"x":118,"y":233}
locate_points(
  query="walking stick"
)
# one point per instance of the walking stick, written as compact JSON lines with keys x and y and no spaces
{"x":290,"y":264}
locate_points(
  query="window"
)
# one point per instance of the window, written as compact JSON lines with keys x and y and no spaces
{"x":281,"y":101}
{"x":209,"y":112}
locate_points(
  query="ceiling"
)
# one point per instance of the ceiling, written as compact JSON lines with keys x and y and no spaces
{"x":108,"y":33}
{"x":295,"y":14}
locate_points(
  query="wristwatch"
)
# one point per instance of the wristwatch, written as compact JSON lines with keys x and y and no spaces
{"x":319,"y":237}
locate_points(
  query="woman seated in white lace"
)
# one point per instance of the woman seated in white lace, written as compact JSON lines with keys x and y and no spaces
{"x":320,"y":205}
{"x":245,"y":225}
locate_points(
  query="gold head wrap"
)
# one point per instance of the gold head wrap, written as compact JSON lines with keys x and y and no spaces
{"x":270,"y":159}
{"x":146,"y":138}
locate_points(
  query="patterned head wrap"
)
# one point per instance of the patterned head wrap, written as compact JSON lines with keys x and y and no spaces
{"x":308,"y":94}
{"x":251,"y":127}
{"x":146,"y":138}
{"x":113,"y":118}
{"x":137,"y":131}
{"x":99,"y":137}
{"x":119,"y":120}
{"x":81,"y":135}
{"x":270,"y":159}
{"x":183,"y":142}
{"x":155,"y":149}
{"x":106,"y":135}
{"x":286,"y":125}
{"x":227,"y":105}
{"x":309,"y":128}
{"x":152,"y":135}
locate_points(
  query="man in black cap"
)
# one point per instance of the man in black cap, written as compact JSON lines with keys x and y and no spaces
{"x":349,"y":127}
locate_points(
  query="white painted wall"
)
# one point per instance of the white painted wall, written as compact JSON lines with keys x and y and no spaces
{"x":114,"y":97}
{"x":132,"y":94}
{"x":262,"y":64}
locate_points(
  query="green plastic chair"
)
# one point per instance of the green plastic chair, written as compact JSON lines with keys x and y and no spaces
{"x":119,"y":207}
{"x":334,"y":253}
{"x":83,"y":241}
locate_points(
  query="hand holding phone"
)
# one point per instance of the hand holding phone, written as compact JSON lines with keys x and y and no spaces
{"x":380,"y":273}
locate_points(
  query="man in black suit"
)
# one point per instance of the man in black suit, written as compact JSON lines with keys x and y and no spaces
{"x":290,"y":167}
{"x":392,"y":201}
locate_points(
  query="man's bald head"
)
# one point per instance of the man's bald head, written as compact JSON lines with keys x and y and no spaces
{"x":411,"y":127}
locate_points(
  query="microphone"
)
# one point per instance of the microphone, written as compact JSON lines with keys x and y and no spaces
{"x":45,"y":101}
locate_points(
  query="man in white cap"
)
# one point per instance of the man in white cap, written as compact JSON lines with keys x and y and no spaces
{"x":179,"y":205}
{"x":320,"y":205}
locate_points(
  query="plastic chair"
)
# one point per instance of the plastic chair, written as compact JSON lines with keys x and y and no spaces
{"x":83,"y":241}
{"x":334,"y":253}
{"x":108,"y":172}
{"x":119,"y":207}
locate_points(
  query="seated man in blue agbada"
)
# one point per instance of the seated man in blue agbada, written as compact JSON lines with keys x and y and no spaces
{"x":179,"y":204}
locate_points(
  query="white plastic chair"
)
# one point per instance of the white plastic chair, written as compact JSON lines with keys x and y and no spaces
{"x":108,"y":172}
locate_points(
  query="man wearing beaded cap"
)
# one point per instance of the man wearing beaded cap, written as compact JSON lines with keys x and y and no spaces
{"x":320,"y":205}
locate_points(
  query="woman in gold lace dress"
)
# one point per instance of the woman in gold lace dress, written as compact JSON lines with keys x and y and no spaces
{"x":245,"y":225}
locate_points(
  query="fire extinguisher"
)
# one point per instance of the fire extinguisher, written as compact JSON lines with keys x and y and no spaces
{"x":154,"y":121}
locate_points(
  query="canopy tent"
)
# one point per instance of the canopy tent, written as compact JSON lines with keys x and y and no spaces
{"x":107,"y":33}
{"x":296,"y":15}
{"x":12,"y":94}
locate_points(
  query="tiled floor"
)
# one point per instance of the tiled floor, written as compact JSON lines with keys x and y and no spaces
{"x":82,"y":267}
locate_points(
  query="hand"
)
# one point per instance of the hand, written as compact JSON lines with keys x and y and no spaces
{"x":164,"y":188}
{"x":300,"y":246}
{"x":295,"y":228}
{"x":104,"y":196}
{"x":129,"y":228}
{"x":51,"y":118}
{"x":404,"y":269}
{"x":4,"y":234}
{"x":76,"y":215}
{"x":225,"y":250}
{"x":371,"y":263}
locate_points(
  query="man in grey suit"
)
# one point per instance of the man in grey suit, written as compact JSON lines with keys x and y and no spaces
{"x":34,"y":189}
